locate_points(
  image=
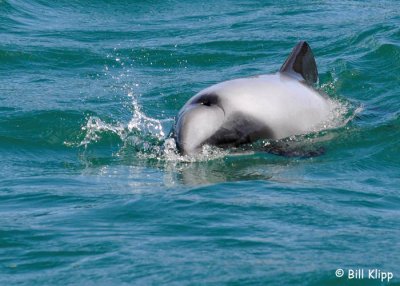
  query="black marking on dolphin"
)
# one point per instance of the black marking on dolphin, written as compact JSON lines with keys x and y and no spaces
{"x":239,"y":129}
{"x":207,"y":99}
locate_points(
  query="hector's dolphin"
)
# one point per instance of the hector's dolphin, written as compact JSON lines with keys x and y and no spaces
{"x":244,"y":110}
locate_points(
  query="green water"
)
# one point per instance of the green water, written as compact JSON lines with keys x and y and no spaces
{"x":90,"y":196}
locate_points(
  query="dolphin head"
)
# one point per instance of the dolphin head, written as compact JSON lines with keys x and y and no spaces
{"x":210,"y":118}
{"x":197,"y":122}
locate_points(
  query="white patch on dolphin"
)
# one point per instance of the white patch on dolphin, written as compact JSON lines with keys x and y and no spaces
{"x":245,"y":110}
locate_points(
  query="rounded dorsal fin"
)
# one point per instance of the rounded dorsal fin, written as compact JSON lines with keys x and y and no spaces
{"x":301,"y":65}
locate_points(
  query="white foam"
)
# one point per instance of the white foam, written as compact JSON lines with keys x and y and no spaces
{"x":171,"y":154}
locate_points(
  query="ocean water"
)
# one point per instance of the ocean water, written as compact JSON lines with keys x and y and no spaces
{"x":92,"y":192}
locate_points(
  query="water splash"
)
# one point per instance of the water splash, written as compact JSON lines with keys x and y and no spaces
{"x":143,"y":137}
{"x":144,"y":124}
{"x":94,"y":129}
{"x":141,"y":134}
{"x":342,"y":112}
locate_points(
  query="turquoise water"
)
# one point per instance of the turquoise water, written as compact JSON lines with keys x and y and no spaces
{"x":90,"y":195}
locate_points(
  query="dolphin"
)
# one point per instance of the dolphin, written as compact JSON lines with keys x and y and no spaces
{"x":244,"y":110}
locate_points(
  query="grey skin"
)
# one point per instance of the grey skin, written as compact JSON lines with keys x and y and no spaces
{"x":245,"y":110}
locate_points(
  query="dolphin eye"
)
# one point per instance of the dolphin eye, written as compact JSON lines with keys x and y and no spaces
{"x":207,"y":99}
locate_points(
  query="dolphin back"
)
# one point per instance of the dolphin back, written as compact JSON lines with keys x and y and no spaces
{"x":301,"y":64}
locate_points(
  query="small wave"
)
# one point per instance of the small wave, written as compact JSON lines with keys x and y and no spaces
{"x":44,"y":129}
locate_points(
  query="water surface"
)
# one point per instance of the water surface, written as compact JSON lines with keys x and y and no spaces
{"x":88,"y":94}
